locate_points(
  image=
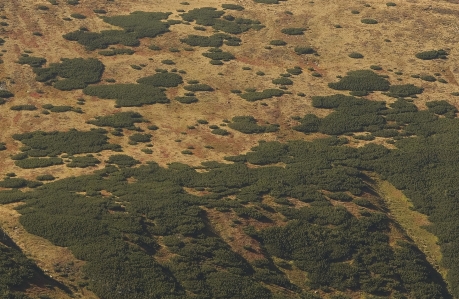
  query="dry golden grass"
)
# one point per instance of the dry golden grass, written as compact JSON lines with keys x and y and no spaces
{"x":412,"y":222}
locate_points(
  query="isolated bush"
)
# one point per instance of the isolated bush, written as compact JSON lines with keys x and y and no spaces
{"x":219,"y":55}
{"x":277,"y":42}
{"x":23,"y":107}
{"x":428,"y":78}
{"x":304,"y":50}
{"x":5,"y":94}
{"x":233,"y":7}
{"x":376,"y":67}
{"x":267,"y":1}
{"x":295,"y":71}
{"x":355,"y":55}
{"x":293,"y":31}
{"x":265,"y":94}
{"x":198,"y":87}
{"x":282,"y":81}
{"x":100,"y":11}
{"x":78,"y":16}
{"x":432,"y":54}
{"x":138,"y":137}
{"x":369,"y":21}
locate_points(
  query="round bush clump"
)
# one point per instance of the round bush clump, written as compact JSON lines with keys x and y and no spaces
{"x":293,"y":31}
{"x":369,"y":21}
{"x":428,"y":78}
{"x":277,"y":42}
{"x":355,"y":55}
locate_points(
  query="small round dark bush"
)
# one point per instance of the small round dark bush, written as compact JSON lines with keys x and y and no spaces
{"x":355,"y":55}
{"x":369,"y":21}
{"x":376,"y":67}
{"x":78,"y":16}
{"x":277,"y":42}
{"x":428,"y":78}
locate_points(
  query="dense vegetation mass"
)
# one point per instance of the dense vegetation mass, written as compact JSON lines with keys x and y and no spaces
{"x":286,"y":219}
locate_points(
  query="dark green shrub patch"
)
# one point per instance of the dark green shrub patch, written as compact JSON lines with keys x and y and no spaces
{"x":406,"y":90}
{"x":376,"y":67}
{"x":78,"y":16}
{"x":122,"y":160}
{"x":138,"y":137}
{"x":23,"y":107}
{"x":233,"y":7}
{"x":293,"y":31}
{"x":248,"y":125}
{"x":162,"y":80}
{"x":304,"y":50}
{"x":261,"y":95}
{"x":355,"y":55}
{"x":428,"y":78}
{"x":118,"y":120}
{"x":308,"y":124}
{"x":433,"y":54}
{"x":32,"y":61}
{"x":226,"y":56}
{"x":31,"y":163}
{"x":136,"y":25}
{"x":442,"y":108}
{"x":215,"y":40}
{"x":209,"y":16}
{"x":46,"y":177}
{"x":282,"y":81}
{"x":295,"y":71}
{"x":114,"y":52}
{"x":369,"y":21}
{"x":77,"y":73}
{"x":5,"y":94}
{"x":83,"y":161}
{"x":198,"y":87}
{"x":99,"y":11}
{"x":94,"y":40}
{"x":277,"y":42}
{"x":267,"y":1}
{"x":70,"y":142}
{"x":219,"y":131}
{"x":128,"y":95}
{"x":361,"y":80}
